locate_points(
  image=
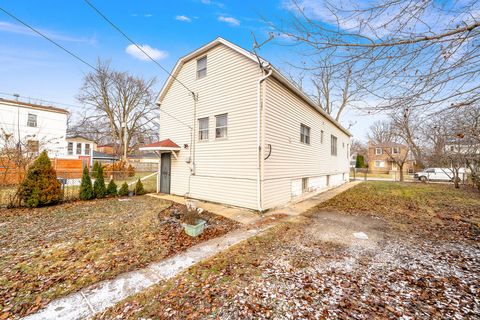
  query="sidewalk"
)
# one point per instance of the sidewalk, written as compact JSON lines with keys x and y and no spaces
{"x":301,"y":206}
{"x":98,"y":297}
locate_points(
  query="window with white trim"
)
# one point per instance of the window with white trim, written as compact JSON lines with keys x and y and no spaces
{"x":333,"y":145}
{"x":304,"y":134}
{"x":87,"y":149}
{"x":202,"y":68}
{"x":70,"y":148}
{"x":32,"y":120}
{"x":203,"y":129}
{"x":379,"y":164}
{"x":221,"y":125}
{"x":395,"y":150}
{"x":378,"y":151}
{"x":79,"y":148}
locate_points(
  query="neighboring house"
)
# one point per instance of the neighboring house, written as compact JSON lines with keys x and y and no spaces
{"x":109,"y":148}
{"x":353,"y":160}
{"x":35,"y":126}
{"x":250,"y":138}
{"x":79,"y":147}
{"x":382,"y":156}
{"x":104,"y":158}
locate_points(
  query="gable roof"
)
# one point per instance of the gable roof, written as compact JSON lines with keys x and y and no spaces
{"x":8,"y":102}
{"x":275,"y":73}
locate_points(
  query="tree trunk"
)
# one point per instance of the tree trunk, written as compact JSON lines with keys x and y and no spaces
{"x":400,"y":166}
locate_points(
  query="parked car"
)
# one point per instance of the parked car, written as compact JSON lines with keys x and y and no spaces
{"x":438,"y":174}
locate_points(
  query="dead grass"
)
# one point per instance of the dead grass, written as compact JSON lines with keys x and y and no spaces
{"x":49,"y":252}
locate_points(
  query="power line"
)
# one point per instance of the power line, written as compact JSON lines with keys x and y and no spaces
{"x":48,"y":39}
{"x":136,"y":45}
{"x":43,"y":100}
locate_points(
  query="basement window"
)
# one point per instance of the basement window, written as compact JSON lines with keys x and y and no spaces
{"x":304,"y":185}
{"x":202,"y":68}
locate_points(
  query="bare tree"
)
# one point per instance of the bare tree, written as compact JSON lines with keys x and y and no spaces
{"x":120,"y":106}
{"x":400,"y":158}
{"x":381,"y":131}
{"x":404,"y":53}
{"x":406,"y":125}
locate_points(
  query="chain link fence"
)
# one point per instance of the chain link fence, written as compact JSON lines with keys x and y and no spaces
{"x":70,"y":183}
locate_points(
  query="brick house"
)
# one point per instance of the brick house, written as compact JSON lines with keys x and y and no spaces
{"x":383,"y":157}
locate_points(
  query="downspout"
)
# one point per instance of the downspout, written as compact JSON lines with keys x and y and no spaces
{"x":259,"y":147}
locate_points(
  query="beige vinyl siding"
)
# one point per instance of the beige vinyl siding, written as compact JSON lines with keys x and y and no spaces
{"x":291,"y":160}
{"x":226,"y":168}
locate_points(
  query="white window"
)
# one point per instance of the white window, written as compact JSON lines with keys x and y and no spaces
{"x":221,"y":125}
{"x":32,"y":120}
{"x":379,"y":164}
{"x":304,"y":185}
{"x":321,"y":136}
{"x":70,"y":148}
{"x":79,"y":148}
{"x":201,"y":68}
{"x":203,"y":129}
{"x":378,"y":151}
{"x":87,"y":149}
{"x":395,"y":150}
{"x":304,"y":134}
{"x":333,"y":145}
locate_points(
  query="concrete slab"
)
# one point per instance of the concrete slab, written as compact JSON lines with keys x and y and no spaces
{"x":98,"y":297}
{"x":302,"y":206}
{"x":242,"y":215}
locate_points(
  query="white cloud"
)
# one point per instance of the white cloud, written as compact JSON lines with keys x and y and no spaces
{"x":152,"y":52}
{"x":183,"y":18}
{"x":212,"y":3}
{"x":230,"y":20}
{"x":18,"y":29}
{"x":148,"y":15}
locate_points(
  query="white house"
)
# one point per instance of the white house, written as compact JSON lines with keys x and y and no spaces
{"x":35,"y":126}
{"x":79,"y":147}
{"x":234,"y":130}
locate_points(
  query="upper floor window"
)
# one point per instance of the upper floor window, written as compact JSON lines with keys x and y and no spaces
{"x":201,"y":68}
{"x":221,"y":124}
{"x":32,"y":120}
{"x":79,"y":148}
{"x":304,"y":134}
{"x":203,"y":129}
{"x":378,"y":151}
{"x":395,"y":150}
{"x":87,"y":149}
{"x":333,"y":145}
{"x":70,"y":148}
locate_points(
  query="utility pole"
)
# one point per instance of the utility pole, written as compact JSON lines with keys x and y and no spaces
{"x":124,"y":127}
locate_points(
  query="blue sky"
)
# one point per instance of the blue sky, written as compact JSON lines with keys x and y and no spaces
{"x":31,"y":66}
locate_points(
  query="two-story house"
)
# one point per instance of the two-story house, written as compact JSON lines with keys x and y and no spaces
{"x":234,"y":130}
{"x":34,"y":126}
{"x":385,"y":157}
